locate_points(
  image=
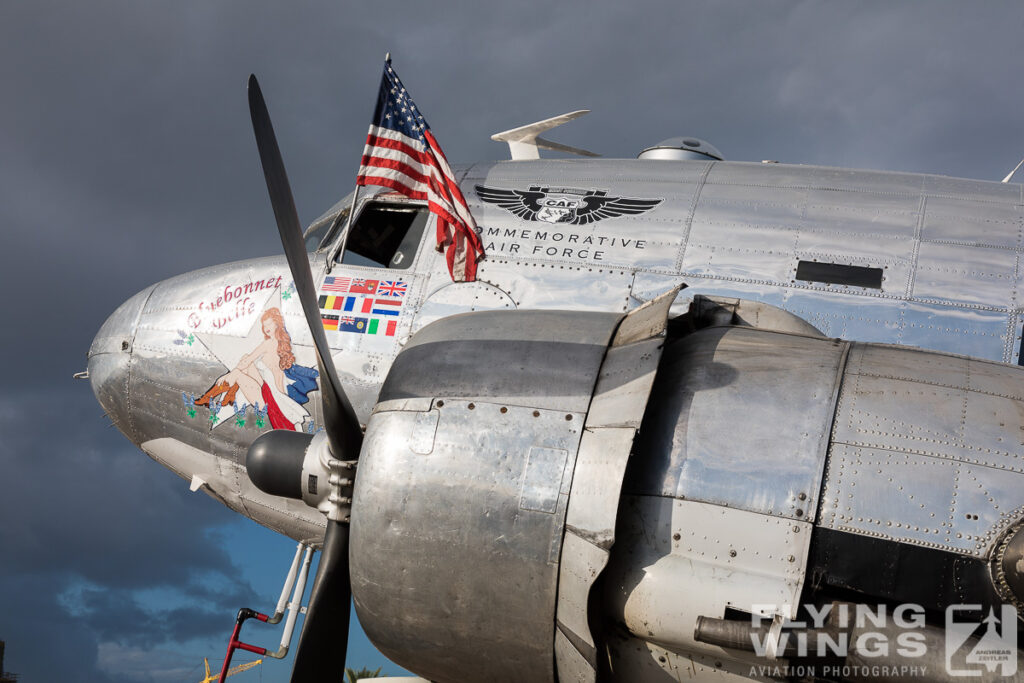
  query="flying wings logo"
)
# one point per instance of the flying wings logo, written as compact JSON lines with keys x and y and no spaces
{"x":564,"y":205}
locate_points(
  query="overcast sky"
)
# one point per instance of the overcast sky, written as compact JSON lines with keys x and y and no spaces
{"x":126,"y":156}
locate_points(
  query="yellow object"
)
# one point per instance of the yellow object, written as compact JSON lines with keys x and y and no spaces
{"x":212,"y":678}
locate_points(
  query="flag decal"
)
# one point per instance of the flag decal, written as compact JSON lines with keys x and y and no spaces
{"x":361,"y":306}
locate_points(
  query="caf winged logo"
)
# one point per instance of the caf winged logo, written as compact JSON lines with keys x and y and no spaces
{"x":564,"y":205}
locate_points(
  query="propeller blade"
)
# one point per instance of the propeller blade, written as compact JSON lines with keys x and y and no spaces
{"x":325,"y":630}
{"x":343,"y":433}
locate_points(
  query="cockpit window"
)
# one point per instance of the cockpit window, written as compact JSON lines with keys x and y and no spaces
{"x":323,"y":230}
{"x":386,"y":235}
{"x":320,"y":233}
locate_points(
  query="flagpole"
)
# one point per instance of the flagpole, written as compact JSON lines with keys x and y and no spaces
{"x":340,"y":249}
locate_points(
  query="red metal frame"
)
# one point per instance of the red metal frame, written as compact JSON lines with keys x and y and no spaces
{"x":236,"y":644}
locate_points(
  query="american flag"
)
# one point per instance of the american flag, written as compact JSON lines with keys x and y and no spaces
{"x":335,"y":284}
{"x":402,"y":154}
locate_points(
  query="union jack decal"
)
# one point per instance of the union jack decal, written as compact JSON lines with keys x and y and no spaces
{"x":389,"y":288}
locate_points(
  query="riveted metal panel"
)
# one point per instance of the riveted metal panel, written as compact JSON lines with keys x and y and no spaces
{"x":463,"y":297}
{"x":438,"y":540}
{"x":972,"y":275}
{"x":920,"y":499}
{"x":816,"y":177}
{"x":965,"y":188}
{"x":724,"y":206}
{"x":926,"y":449}
{"x":854,"y":244}
{"x":545,"y":286}
{"x":784,"y":387}
{"x":751,"y":253}
{"x":849,"y":317}
{"x":908,"y":401}
{"x":969,"y":331}
{"x":974,"y":223}
{"x":677,"y":560}
{"x":882,"y":214}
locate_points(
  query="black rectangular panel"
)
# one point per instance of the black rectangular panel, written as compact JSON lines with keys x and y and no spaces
{"x":839,"y":274}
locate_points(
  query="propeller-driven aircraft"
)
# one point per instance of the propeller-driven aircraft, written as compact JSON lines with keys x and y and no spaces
{"x":689,"y":414}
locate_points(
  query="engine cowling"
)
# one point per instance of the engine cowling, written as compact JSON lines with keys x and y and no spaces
{"x":488,"y":487}
{"x":503,"y":470}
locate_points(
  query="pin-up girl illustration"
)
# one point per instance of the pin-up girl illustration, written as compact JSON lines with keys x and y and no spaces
{"x":269,"y":374}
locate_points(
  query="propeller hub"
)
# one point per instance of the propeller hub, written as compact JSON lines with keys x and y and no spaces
{"x":327,"y":481}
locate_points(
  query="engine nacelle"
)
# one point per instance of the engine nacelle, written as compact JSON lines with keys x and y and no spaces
{"x":776,"y":470}
{"x":488,"y":486}
{"x":515,"y":520}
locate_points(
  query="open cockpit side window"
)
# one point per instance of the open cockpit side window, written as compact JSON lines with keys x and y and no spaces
{"x":386,"y":235}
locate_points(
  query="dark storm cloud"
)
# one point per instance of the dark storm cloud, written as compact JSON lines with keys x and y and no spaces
{"x":96,"y":480}
{"x":127,"y":157}
{"x":119,"y":617}
{"x":89,"y":525}
{"x":32,"y":621}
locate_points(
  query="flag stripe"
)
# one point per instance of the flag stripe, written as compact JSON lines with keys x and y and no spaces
{"x":393,"y":183}
{"x":377,"y":143}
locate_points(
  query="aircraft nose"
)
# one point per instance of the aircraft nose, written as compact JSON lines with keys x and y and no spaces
{"x":110,"y":358}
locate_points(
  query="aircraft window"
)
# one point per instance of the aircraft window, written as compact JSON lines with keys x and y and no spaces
{"x":385,"y":235}
{"x":839,"y":274}
{"x":323,"y":230}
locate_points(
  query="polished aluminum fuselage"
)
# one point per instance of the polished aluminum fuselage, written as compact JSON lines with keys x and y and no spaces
{"x":948,"y":249}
